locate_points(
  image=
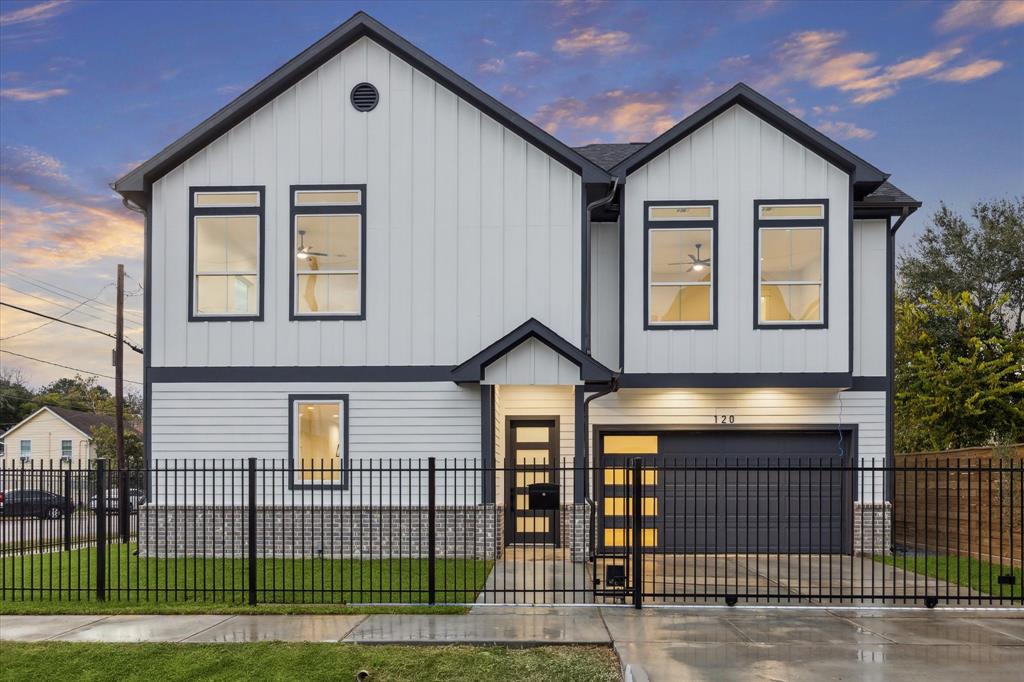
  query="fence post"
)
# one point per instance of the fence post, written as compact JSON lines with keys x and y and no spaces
{"x":252,"y":531}
{"x":123,"y":500}
{"x":101,"y":529}
{"x":636,"y":537}
{"x":67,"y":515}
{"x":431,"y":532}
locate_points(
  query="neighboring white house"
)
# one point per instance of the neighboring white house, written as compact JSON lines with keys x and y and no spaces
{"x":365,"y":256}
{"x":53,"y":436}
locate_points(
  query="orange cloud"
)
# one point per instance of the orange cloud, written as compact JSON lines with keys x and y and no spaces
{"x":34,"y":13}
{"x":980,"y":68}
{"x":58,"y":224}
{"x":981,"y":14}
{"x":564,"y":111}
{"x":67,"y":233}
{"x":582,"y":40}
{"x":30,"y":95}
{"x":845,"y":130}
{"x":816,"y":57}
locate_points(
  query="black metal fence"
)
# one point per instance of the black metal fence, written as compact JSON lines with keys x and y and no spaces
{"x":685,"y":531}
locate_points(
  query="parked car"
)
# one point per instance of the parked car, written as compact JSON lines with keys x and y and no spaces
{"x":135,"y":498}
{"x":40,"y":503}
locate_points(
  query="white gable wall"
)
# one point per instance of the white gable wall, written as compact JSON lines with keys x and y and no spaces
{"x":471,"y":230}
{"x":737,"y":158}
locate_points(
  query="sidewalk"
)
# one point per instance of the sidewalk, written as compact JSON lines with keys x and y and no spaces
{"x":656,"y":644}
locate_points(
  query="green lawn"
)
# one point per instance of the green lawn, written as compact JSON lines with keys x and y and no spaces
{"x":973,"y":573}
{"x":279,"y":661}
{"x":65,"y":582}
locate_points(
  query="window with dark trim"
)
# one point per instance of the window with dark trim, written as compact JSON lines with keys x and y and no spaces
{"x":318,"y":441}
{"x":680,"y":264}
{"x":328,"y":252}
{"x":226,"y":245}
{"x":791,"y":264}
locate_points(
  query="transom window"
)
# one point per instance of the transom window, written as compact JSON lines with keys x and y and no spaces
{"x":680,"y":264}
{"x":226,"y":279}
{"x":791,"y":240}
{"x":319,"y":448}
{"x":328,"y":251}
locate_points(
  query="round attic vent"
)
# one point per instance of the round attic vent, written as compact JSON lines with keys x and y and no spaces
{"x":365,"y":97}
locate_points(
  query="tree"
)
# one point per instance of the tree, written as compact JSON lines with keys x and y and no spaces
{"x":76,"y":393}
{"x":984,"y":258}
{"x":963,"y":389}
{"x":16,"y":399}
{"x":104,"y":440}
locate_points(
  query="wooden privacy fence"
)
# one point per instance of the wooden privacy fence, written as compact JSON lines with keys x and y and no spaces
{"x":967,"y":502}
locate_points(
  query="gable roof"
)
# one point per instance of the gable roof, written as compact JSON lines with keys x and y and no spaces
{"x":473,"y":369}
{"x":83,"y":422}
{"x":138,"y":181}
{"x":863,"y":173}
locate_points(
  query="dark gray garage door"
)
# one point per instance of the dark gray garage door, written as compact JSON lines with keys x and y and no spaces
{"x":739,"y":491}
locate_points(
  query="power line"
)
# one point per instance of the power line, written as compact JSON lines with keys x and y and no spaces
{"x":57,"y":290}
{"x":44,"y":324}
{"x":71,"y":324}
{"x":57,"y":364}
{"x":51,"y":302}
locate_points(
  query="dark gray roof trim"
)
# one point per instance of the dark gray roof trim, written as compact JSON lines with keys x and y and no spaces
{"x":472,"y":370}
{"x":139,"y":180}
{"x":862,"y":172}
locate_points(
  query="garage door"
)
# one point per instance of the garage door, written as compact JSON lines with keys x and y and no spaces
{"x":735,"y":491}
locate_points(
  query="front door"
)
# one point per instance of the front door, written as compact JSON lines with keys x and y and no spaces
{"x":531,"y":457}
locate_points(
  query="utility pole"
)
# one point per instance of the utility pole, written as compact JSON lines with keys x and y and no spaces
{"x":122,"y":492}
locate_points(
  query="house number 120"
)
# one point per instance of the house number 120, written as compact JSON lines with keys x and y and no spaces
{"x":725,"y":419}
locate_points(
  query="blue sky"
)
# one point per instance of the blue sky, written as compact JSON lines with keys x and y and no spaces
{"x":932,"y":92}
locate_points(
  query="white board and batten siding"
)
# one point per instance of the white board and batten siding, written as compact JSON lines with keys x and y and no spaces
{"x":471,"y":230}
{"x":775,"y":408}
{"x":870,"y":275}
{"x":532,"y":363}
{"x":735,"y":159}
{"x":391,"y":424}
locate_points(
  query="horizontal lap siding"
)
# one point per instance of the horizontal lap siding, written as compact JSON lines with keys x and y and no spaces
{"x":735,"y":159}
{"x":470,"y":229}
{"x":386,"y":420}
{"x":667,"y":407}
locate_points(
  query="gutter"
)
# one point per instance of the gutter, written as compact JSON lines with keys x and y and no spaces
{"x":587,"y":262}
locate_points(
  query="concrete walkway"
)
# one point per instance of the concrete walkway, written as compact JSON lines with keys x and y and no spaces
{"x":656,"y":644}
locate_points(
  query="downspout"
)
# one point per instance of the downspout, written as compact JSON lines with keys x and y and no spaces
{"x":613,"y":386}
{"x":587,"y":250}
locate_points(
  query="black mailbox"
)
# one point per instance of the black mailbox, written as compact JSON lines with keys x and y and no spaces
{"x":543,"y":496}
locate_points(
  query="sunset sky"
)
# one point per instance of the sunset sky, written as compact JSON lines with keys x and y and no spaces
{"x":932,"y":92}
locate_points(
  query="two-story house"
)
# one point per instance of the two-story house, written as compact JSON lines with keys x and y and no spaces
{"x":364,"y":256}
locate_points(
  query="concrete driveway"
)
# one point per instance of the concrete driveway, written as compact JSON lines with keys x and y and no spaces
{"x":817,"y":644}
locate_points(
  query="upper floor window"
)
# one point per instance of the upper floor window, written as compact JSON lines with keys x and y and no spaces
{"x":328,"y":252}
{"x":226,"y":260}
{"x":791,"y":246}
{"x":680,"y":264}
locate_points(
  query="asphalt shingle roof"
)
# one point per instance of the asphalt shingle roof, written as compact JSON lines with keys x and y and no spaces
{"x":83,"y":421}
{"x":888,"y":193}
{"x":607,"y":155}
